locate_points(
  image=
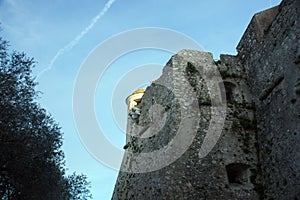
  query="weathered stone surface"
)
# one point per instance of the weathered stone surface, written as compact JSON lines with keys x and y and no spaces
{"x":273,"y":78}
{"x":228,"y":172}
{"x":257,"y":155}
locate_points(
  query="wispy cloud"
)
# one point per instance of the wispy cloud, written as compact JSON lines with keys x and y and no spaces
{"x":75,"y":41}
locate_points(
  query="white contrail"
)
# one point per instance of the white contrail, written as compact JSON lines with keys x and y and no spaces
{"x":71,"y":44}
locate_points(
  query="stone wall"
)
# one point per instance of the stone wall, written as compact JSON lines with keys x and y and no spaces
{"x":257,"y":155}
{"x":273,"y":76}
{"x":229,"y":171}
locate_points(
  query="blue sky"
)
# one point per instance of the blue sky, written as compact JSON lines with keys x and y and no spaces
{"x":42,"y":28}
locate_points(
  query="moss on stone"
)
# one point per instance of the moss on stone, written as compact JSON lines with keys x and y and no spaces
{"x":217,"y":62}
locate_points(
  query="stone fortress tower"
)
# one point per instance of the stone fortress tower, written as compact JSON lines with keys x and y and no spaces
{"x":257,"y":155}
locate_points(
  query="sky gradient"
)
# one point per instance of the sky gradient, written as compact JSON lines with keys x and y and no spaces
{"x":43,"y":28}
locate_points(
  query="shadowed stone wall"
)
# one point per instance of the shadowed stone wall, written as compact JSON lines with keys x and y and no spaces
{"x":230,"y":169}
{"x":273,"y":74}
{"x":257,"y":155}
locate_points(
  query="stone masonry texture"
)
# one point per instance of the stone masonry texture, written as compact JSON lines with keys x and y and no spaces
{"x":258,"y":153}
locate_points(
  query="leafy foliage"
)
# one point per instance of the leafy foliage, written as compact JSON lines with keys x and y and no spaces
{"x":31,"y":159}
{"x":78,"y":187}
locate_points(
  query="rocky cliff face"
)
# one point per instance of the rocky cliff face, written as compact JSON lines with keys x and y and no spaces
{"x":174,"y":149}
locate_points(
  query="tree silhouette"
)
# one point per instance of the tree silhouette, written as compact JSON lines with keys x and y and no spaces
{"x":31,"y":159}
